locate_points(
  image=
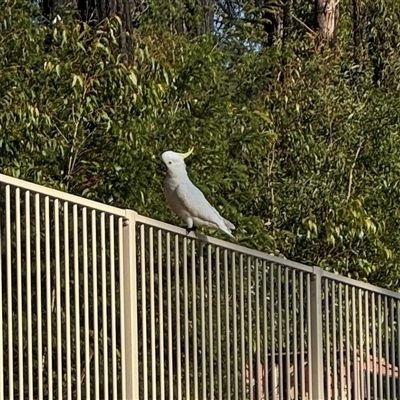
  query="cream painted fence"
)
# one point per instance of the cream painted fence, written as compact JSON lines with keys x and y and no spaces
{"x":102,"y":303}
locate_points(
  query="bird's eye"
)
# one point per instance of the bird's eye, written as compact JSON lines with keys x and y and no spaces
{"x":170,"y":162}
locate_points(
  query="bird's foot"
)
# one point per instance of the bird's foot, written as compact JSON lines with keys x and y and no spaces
{"x":192,"y":229}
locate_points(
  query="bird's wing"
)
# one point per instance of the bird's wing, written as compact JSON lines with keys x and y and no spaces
{"x":196,"y":204}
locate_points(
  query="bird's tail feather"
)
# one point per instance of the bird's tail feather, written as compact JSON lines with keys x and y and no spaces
{"x":226,"y":228}
{"x":227,"y":231}
{"x":228,"y":224}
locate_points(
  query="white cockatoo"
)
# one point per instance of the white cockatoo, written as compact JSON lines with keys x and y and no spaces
{"x":186,"y":200}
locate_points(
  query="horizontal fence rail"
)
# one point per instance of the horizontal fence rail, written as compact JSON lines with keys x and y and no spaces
{"x":102,"y":303}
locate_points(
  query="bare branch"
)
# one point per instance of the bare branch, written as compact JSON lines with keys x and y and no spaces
{"x":305,"y":26}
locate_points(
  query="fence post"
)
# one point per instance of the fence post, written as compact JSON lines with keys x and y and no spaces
{"x":317,"y":366}
{"x":129,"y":332}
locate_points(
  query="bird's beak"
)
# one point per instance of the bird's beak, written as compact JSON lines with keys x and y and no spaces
{"x":184,"y":155}
{"x":163,"y":166}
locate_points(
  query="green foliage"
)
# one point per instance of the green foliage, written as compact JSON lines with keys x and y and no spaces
{"x":299,"y":149}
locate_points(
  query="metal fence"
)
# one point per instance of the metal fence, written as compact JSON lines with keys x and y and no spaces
{"x":66,"y":289}
{"x":361,"y":339}
{"x":102,"y":303}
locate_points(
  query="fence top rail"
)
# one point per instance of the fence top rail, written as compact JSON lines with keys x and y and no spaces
{"x":358,"y":284}
{"x":224,"y":244}
{"x":57,"y":194}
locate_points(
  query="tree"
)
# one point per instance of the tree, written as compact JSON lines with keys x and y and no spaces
{"x":298,"y":141}
{"x":94,"y":12}
{"x":358,"y":29}
{"x":327,"y":16}
{"x":198,"y":18}
{"x":277,"y":18}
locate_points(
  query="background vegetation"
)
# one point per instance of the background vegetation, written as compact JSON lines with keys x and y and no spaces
{"x":292,"y":108}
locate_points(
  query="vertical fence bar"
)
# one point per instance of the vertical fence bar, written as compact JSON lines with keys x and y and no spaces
{"x":39,"y":296}
{"x":367,"y":344}
{"x":123,"y":231}
{"x":265,"y":330}
{"x":169,"y":313}
{"x":328,"y":382}
{"x":315,"y":306}
{"x":393,"y":343}
{"x":287,"y":332}
{"x":235,"y":336}
{"x":186,"y":305}
{"x":203,"y":325}
{"x":2,"y":301}
{"x":9,"y":297}
{"x":144,"y":310}
{"x":95,"y":279}
{"x":178,"y":319}
{"x":341,"y":341}
{"x":380,"y":346}
{"x":19,"y":292}
{"x":386,"y":358}
{"x":219,"y":349}
{"x":310,"y":320}
{"x":250,"y":323}
{"x":161,"y":312}
{"x":295,"y":348}
{"x":186,"y":318}
{"x":152,"y":315}
{"x":280,"y":355}
{"x":49,"y":308}
{"x":67,"y":301}
{"x":302,"y":338}
{"x":28,"y":291}
{"x":104,"y":302}
{"x":77,"y":311}
{"x":194,"y":310}
{"x":398,"y":344}
{"x":361,"y":342}
{"x":334,"y":343}
{"x":86,"y":375}
{"x":374,"y":369}
{"x":227,"y":336}
{"x":242,"y":342}
{"x":113,"y":308}
{"x":57,"y":240}
{"x":210,"y":320}
{"x":258,"y":342}
{"x":129,"y":337}
{"x":347,"y":314}
{"x":354,"y":343}
{"x":272,"y":322}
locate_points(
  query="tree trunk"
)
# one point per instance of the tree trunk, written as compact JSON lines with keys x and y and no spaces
{"x":47,"y":7}
{"x":87,"y":9}
{"x":327,"y":20}
{"x":208,"y":15}
{"x":358,"y":30}
{"x":278,"y":21}
{"x":287,"y":16}
{"x":201,"y":17}
{"x":123,"y":10}
{"x":94,"y":12}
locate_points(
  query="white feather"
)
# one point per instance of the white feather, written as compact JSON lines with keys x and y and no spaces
{"x":186,"y":200}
